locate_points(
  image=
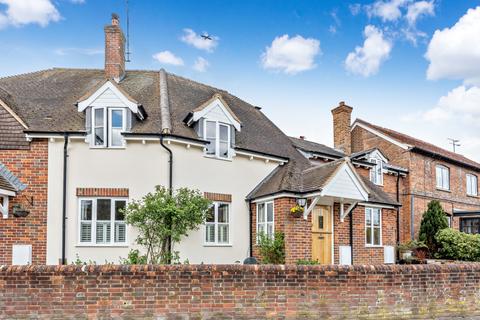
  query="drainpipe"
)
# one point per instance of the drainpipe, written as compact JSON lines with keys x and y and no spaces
{"x":398,"y":214}
{"x":170,"y":188}
{"x":64,"y":200}
{"x":412,"y":216}
{"x":351,"y":234}
{"x":250,"y":240}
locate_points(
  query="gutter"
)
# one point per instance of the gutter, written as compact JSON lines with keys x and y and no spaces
{"x":64,"y":200}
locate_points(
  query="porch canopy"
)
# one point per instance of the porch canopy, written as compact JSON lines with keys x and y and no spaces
{"x":10,"y":185}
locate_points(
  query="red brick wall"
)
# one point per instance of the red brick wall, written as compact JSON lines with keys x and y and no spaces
{"x":240,"y":292}
{"x":31,"y":167}
{"x":361,"y":253}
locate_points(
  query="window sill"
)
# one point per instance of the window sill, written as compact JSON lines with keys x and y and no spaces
{"x":87,"y":245}
{"x":108,"y":148}
{"x":373,"y":246}
{"x":475,"y":196}
{"x":444,"y":190}
{"x":217,"y":245}
{"x":218,"y":158}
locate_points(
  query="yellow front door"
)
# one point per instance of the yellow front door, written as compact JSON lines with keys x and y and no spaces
{"x":322,"y":235}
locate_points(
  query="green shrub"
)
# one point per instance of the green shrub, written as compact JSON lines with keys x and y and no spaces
{"x":272,"y":250}
{"x":457,"y":245}
{"x":301,"y":262}
{"x":134,"y":257}
{"x":433,"y":220}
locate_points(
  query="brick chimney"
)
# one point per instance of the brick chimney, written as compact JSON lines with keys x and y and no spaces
{"x":342,"y":117}
{"x":114,"y":50}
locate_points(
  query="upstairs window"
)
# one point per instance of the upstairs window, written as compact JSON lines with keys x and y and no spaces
{"x":218,"y":136}
{"x":472,"y":185}
{"x":443,"y":177}
{"x":376,"y":173}
{"x":102,"y":221}
{"x":108,"y":125}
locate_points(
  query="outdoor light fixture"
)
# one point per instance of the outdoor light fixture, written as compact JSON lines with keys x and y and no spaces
{"x":301,"y":202}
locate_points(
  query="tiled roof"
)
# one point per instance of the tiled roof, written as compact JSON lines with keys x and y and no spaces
{"x":314,"y":147}
{"x":8,"y":181}
{"x":415,"y":143}
{"x":11,"y":130}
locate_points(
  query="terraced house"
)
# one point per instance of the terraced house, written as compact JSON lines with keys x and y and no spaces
{"x":79,"y":144}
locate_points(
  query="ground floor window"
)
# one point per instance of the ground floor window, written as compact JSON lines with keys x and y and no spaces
{"x":373,"y":226}
{"x":102,"y":221}
{"x":470,"y":225}
{"x":265,"y":218}
{"x":217,"y":224}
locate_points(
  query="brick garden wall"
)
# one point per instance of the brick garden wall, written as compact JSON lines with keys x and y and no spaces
{"x":31,"y":167}
{"x":240,"y":292}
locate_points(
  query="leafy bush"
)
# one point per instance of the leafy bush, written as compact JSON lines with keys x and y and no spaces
{"x":434,"y":220}
{"x":272,"y":250}
{"x":134,"y":257}
{"x":457,"y":245}
{"x":301,"y":262}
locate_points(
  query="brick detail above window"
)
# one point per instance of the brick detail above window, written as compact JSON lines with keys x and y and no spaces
{"x":218,"y":197}
{"x":102,"y":192}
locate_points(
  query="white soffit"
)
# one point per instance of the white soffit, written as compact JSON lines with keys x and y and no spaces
{"x":110,"y":90}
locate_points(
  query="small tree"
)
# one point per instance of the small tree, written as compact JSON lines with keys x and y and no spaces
{"x":272,"y":249}
{"x":162,"y":219}
{"x":434,"y":220}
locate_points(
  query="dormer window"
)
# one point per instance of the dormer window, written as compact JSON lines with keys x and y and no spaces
{"x":218,"y":136}
{"x":108,"y":125}
{"x":376,"y":172}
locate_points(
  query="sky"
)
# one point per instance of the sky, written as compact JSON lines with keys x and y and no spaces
{"x":412,"y":66}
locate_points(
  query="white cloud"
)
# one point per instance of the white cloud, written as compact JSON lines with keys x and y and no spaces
{"x":366,"y":60}
{"x":419,"y":9}
{"x":291,"y":55}
{"x":454,"y":53}
{"x":23,"y":12}
{"x":192,"y":38}
{"x":201,"y":64}
{"x":386,"y":10}
{"x":166,"y":57}
{"x":355,"y":8}
{"x":82,"y":51}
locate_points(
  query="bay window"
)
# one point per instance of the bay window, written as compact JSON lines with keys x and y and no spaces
{"x":472,"y":185}
{"x":265,"y":219}
{"x":373,"y":227}
{"x":217,"y":224}
{"x":218,"y":136}
{"x":108,"y":125}
{"x":102,"y":221}
{"x":442,"y":177}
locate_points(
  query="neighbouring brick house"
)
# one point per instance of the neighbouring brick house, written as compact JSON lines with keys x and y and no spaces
{"x":85,"y":142}
{"x":433,"y":173}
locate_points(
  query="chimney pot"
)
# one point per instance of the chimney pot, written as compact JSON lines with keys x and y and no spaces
{"x":302,"y":137}
{"x":115,"y":19}
{"x":342,"y":103}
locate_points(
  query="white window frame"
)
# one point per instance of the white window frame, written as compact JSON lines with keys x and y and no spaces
{"x":266,"y":223}
{"x":93,"y":239}
{"x":472,"y":185}
{"x":372,"y":227}
{"x":216,"y":225}
{"x":107,"y":125}
{"x":376,"y":173}
{"x":217,"y":139}
{"x":442,"y":170}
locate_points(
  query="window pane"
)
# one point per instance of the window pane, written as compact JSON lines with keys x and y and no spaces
{"x":270,"y":230}
{"x":261,"y":212}
{"x":376,"y":236}
{"x":119,"y":208}
{"x":210,"y":233}
{"x":368,"y":235}
{"x":223,"y":152}
{"x":376,"y":217}
{"x":222,"y":213}
{"x":368,"y":217}
{"x":86,"y":210}
{"x":223,"y":233}
{"x":116,"y":137}
{"x":99,"y":136}
{"x":211,"y":129}
{"x":117,"y":119}
{"x":211,"y":147}
{"x":99,"y":118}
{"x":260,"y":228}
{"x":223,"y":133}
{"x":120,"y":231}
{"x":85,"y":232}
{"x":103,"y":232}
{"x":270,"y":212}
{"x":103,"y":209}
{"x":210,"y":214}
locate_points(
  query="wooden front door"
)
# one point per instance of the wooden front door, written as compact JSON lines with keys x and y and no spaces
{"x":322,"y":235}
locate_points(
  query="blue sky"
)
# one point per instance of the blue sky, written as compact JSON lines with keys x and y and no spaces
{"x":409,"y":65}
